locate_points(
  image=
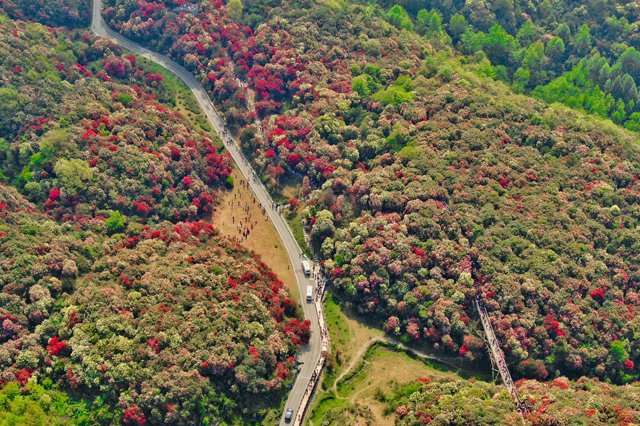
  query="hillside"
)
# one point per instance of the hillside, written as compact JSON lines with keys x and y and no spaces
{"x":583,"y":402}
{"x":583,"y":54}
{"x":427,"y":180}
{"x":432,"y":163}
{"x":113,"y":146}
{"x":119,"y":306}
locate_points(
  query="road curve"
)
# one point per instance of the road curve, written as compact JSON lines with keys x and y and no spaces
{"x":311,"y":353}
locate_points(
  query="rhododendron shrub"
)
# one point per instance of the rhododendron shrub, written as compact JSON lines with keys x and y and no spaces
{"x":133,"y":158}
{"x":583,"y":401}
{"x":71,"y":13}
{"x":235,"y":340}
{"x":40,"y":261}
{"x":216,"y":48}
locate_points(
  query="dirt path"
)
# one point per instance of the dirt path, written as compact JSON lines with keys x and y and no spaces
{"x":355,"y":361}
{"x":449,"y":361}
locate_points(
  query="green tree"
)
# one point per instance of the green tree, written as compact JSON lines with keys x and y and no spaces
{"x":372,"y":70}
{"x":323,"y":227}
{"x":399,"y":18}
{"x":555,"y":48}
{"x":329,"y":127}
{"x":582,"y":42}
{"x":457,"y":26}
{"x":633,"y":123}
{"x":628,"y":89}
{"x":499,"y":45}
{"x":11,"y":102}
{"x":528,"y":33}
{"x":619,"y":113}
{"x":535,"y":60}
{"x":563,"y":32}
{"x":116,"y":222}
{"x":598,"y":102}
{"x":480,"y":16}
{"x":422,"y":21}
{"x":618,"y":351}
{"x":364,"y":85}
{"x":521,"y":79}
{"x":429,"y":22}
{"x":399,"y":92}
{"x":545,"y":8}
{"x":234,"y":8}
{"x":35,"y":404}
{"x":630,"y":63}
{"x":73,"y":174}
{"x":505,"y":13}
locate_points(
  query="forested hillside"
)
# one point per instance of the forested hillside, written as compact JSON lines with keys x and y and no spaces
{"x":428,"y":180}
{"x":111,"y":145}
{"x":427,"y":175}
{"x":581,"y":53}
{"x":118,"y":305}
{"x":559,"y":402}
{"x":69,"y":13}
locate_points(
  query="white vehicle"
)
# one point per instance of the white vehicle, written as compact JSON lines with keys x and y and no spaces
{"x":309,"y":293}
{"x":306,"y":267}
{"x":288,"y":415}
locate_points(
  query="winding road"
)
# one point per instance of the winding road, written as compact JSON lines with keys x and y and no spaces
{"x":310,"y":354}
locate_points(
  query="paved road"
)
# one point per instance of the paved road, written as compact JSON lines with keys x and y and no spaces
{"x":309,"y":354}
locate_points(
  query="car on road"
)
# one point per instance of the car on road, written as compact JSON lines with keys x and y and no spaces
{"x":288,"y":415}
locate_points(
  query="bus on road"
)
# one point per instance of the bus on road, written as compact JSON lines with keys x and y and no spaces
{"x":306,"y":267}
{"x":309,"y":293}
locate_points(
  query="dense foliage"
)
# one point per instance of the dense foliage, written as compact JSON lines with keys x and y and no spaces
{"x":581,"y":402}
{"x":81,"y":141}
{"x":70,"y":13}
{"x":183,"y":326}
{"x":34,"y":404}
{"x":584,"y":54}
{"x":100,"y":315}
{"x":429,"y":181}
{"x":125,"y":307}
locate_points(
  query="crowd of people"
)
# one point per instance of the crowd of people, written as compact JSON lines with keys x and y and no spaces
{"x":244,"y":222}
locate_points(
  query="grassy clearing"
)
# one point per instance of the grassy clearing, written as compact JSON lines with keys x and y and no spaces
{"x":295,"y":223}
{"x":326,"y":405}
{"x":360,"y":394}
{"x":349,"y":335}
{"x":364,"y":371}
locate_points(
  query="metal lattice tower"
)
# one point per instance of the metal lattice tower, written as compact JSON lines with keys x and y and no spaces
{"x":497,"y":356}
